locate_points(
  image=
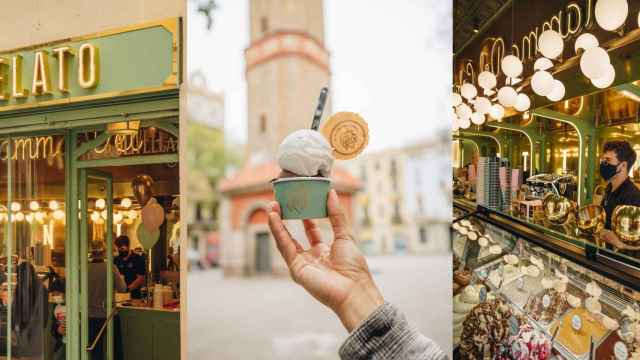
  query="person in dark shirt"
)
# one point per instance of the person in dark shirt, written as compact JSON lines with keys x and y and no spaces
{"x":618,"y":157}
{"x":131,"y":266}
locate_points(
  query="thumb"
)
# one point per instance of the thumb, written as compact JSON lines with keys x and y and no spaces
{"x":337,"y":217}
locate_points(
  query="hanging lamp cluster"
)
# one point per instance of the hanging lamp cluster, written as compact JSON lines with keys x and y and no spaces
{"x":595,"y":64}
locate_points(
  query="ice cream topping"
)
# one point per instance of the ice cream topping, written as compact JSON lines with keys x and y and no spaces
{"x":306,"y":153}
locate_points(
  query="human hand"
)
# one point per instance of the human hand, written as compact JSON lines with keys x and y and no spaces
{"x":336,"y":275}
{"x":612,"y":239}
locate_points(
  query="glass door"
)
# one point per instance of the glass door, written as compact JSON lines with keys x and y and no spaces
{"x":96,"y":265}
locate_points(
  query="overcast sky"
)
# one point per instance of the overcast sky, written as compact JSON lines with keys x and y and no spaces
{"x":390,"y":62}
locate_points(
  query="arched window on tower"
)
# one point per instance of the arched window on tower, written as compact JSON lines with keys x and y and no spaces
{"x":263,"y":123}
{"x":264,"y":24}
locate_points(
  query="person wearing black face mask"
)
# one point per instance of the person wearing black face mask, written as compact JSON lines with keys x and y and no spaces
{"x":617,"y":159}
{"x":131,"y":266}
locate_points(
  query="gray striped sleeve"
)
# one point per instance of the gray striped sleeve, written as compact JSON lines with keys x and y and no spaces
{"x":386,"y":334}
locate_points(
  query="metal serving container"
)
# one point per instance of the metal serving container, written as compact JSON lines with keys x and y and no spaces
{"x":557,"y":209}
{"x":590,"y":219}
{"x":625,"y":222}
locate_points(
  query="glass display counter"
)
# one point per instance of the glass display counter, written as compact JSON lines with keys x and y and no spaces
{"x":528,"y":291}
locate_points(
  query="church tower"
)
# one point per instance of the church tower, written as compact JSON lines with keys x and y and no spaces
{"x":286,"y":66}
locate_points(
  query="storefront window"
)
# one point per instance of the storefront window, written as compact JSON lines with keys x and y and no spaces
{"x":34,"y":239}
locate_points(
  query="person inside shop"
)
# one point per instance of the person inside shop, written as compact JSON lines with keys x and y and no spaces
{"x":29,"y":313}
{"x":97,"y":277}
{"x":618,"y":157}
{"x":131,"y":266}
{"x":338,"y":276}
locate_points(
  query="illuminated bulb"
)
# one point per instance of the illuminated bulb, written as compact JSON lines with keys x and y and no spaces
{"x":39,"y":216}
{"x":465,"y":123}
{"x":522,"y":102}
{"x":497,"y":111}
{"x":607,"y":80}
{"x":507,"y":96}
{"x":558,"y":91}
{"x":128,"y":221}
{"x":126,"y":202}
{"x":542,"y":83}
{"x":132,"y":214}
{"x":100,"y":221}
{"x":15,"y":206}
{"x":487,"y":80}
{"x":104,"y":214}
{"x":95,"y":216}
{"x":542,"y":64}
{"x":477,"y":118}
{"x":593,"y":63}
{"x":29,"y":218}
{"x":100,"y":203}
{"x":611,"y":14}
{"x":585,"y":42}
{"x":19,"y":216}
{"x":456,"y":100}
{"x":468,"y":91}
{"x":53,"y":205}
{"x":482,"y":105}
{"x":464,"y":112}
{"x":511,"y":66}
{"x":58,"y":215}
{"x":34,"y":206}
{"x":550,"y":44}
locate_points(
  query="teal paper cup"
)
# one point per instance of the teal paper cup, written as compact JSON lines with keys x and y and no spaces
{"x":302,"y":197}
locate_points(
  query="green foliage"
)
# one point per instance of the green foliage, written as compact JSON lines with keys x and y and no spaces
{"x":207,"y":157}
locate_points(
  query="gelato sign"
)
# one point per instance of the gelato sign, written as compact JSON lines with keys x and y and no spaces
{"x":87,"y":76}
{"x":128,"y":61}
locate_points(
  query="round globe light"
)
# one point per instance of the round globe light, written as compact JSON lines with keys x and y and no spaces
{"x":550,"y":44}
{"x":487,"y":80}
{"x":126,"y":202}
{"x":456,"y":100}
{"x":15,"y":206}
{"x":95,"y":216}
{"x":607,"y":80}
{"x":497,"y":111}
{"x":482,"y":105}
{"x":19,"y":216}
{"x":468,"y":91}
{"x":53,"y":205}
{"x":542,"y":83}
{"x":464,"y":112}
{"x":593,"y":63}
{"x":29,"y":218}
{"x":33,"y":205}
{"x":611,"y":14}
{"x":511,"y":66}
{"x":39,"y":216}
{"x":100,"y":203}
{"x":585,"y":42}
{"x":465,"y":123}
{"x":558,"y":91}
{"x":507,"y":96}
{"x":523,"y":102}
{"x":542,"y":64}
{"x":58,"y":214}
{"x":477,"y":118}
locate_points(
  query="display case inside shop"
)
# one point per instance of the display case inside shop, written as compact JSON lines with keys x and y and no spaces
{"x":527,"y":302}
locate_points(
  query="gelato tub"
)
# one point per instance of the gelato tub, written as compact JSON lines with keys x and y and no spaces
{"x":302,"y":197}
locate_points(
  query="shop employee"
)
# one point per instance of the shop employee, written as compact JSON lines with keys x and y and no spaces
{"x":131,"y":266}
{"x":618,"y":157}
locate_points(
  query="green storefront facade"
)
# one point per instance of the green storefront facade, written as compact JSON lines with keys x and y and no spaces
{"x":78,"y":117}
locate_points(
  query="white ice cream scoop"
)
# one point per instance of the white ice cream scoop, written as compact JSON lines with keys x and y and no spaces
{"x":306,"y":153}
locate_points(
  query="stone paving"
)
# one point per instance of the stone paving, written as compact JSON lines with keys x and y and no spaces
{"x":273,"y":318}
